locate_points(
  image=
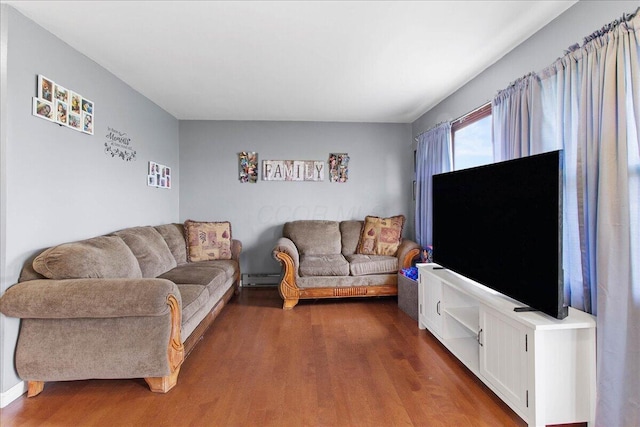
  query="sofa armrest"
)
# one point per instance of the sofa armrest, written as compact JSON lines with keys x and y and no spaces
{"x":286,"y":252}
{"x":407,"y":252}
{"x":88,"y":298}
{"x":236,"y":248}
{"x":286,"y":246}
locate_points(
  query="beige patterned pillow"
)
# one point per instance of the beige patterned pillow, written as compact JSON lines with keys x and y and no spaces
{"x":208,"y":240}
{"x":381,"y":236}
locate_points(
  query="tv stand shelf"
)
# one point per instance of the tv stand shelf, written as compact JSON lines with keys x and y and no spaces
{"x":542,"y":367}
{"x":466,"y":316}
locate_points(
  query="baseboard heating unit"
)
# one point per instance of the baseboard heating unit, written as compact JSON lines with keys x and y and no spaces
{"x":260,"y":279}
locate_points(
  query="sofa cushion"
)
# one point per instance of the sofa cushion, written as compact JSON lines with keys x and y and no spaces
{"x":361,"y":265}
{"x":324,"y":265}
{"x":208,"y":240}
{"x":350,"y":233}
{"x":193,"y":298}
{"x":173,"y":235}
{"x":229,"y":266}
{"x":314,"y":237}
{"x":381,"y":236}
{"x":98,"y":257}
{"x":208,"y":276}
{"x":150,"y":249}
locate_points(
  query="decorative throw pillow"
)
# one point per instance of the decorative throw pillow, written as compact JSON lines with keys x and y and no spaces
{"x":208,"y":240}
{"x":381,"y":236}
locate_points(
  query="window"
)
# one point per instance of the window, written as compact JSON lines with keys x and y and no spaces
{"x":471,"y":139}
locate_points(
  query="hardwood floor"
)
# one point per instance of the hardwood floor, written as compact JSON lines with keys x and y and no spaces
{"x":352,"y":362}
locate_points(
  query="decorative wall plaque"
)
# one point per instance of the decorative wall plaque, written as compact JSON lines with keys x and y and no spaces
{"x":293,"y":170}
{"x":338,"y":167}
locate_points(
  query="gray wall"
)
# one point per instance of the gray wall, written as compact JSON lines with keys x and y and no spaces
{"x":380,"y":177}
{"x":58,"y":184}
{"x":535,"y":54}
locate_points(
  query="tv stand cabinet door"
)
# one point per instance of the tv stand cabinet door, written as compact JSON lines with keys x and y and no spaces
{"x":504,"y":358}
{"x":430,"y":303}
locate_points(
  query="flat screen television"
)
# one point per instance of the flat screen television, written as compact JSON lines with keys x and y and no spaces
{"x":501,"y":226}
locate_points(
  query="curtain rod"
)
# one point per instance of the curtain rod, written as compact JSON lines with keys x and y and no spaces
{"x":461,"y":118}
{"x":626,"y":17}
{"x":430,"y":129}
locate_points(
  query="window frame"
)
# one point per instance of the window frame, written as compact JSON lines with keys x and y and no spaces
{"x":464,"y":121}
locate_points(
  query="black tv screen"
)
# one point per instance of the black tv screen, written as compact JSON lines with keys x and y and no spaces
{"x":501,"y":226}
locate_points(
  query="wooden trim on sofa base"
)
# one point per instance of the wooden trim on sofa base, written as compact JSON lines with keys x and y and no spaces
{"x":340,"y":292}
{"x":346,"y":292}
{"x":175,"y":352}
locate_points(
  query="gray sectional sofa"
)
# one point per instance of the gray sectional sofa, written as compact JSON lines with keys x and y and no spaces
{"x":124,"y":305}
{"x":328,"y":259}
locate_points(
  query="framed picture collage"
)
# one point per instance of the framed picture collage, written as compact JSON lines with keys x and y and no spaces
{"x":63,"y":106}
{"x":159,"y":175}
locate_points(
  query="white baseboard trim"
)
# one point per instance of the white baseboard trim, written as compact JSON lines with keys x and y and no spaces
{"x":13,"y":393}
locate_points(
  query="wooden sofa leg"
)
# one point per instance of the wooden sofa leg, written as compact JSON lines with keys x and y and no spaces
{"x":289,"y":303}
{"x":163,"y":384}
{"x":34,"y":388}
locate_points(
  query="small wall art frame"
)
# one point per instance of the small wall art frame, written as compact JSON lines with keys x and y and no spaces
{"x":248,"y":164}
{"x":338,"y":167}
{"x":159,"y":176}
{"x":60,"y":105}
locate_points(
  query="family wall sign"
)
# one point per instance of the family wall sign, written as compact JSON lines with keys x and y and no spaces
{"x":293,"y":170}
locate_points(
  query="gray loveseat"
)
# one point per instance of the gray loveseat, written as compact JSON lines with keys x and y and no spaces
{"x":322,"y":259}
{"x":124,"y":305}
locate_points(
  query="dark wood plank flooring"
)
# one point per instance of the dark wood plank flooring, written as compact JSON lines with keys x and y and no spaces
{"x":350,"y":362}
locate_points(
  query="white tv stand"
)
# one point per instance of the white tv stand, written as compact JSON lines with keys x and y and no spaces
{"x":542,"y":367}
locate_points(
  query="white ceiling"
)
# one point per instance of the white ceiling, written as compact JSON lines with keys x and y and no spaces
{"x":348,"y":61}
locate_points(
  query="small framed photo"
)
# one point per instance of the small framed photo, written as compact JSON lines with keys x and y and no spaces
{"x":76,"y":103}
{"x":159,"y":175}
{"x":45,"y":88}
{"x":87,"y":123}
{"x":87,"y":106}
{"x":43,"y":109}
{"x":248,"y":166}
{"x":61,"y":112}
{"x":60,"y":93}
{"x":75,"y":121}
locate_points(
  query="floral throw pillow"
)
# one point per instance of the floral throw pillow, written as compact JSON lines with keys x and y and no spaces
{"x":208,"y":241}
{"x":381,"y":236}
